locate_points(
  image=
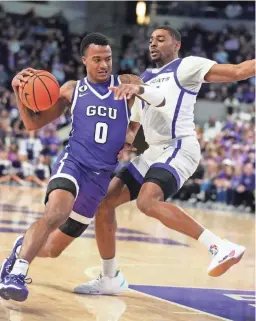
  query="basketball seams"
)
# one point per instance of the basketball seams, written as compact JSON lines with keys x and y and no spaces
{"x":42,"y":75}
{"x":33,"y":87}
{"x":45,"y":88}
{"x":34,"y":96}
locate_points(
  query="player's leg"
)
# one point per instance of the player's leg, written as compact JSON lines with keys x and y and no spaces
{"x":158,"y":185}
{"x":163,"y":180}
{"x":105,"y":220}
{"x":122,"y":189}
{"x":61,"y":238}
{"x":62,"y":191}
{"x":58,"y":209}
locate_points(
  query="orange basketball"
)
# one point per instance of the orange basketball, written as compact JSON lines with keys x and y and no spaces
{"x":40,"y":92}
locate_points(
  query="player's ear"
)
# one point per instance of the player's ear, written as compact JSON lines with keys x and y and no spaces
{"x":84,"y":60}
{"x":177,"y":46}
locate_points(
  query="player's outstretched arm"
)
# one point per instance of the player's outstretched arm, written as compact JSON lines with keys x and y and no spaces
{"x":131,"y":79}
{"x":229,"y":72}
{"x":32,"y":120}
{"x":151,"y":95}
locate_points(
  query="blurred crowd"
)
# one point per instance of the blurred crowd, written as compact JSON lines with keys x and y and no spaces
{"x":208,"y":9}
{"x":226,"y":172}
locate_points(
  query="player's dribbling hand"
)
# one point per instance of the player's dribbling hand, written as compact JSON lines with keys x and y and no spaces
{"x":126,"y":147}
{"x":125,"y":91}
{"x":21,"y":77}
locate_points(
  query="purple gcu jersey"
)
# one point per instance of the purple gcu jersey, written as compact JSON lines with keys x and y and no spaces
{"x":99,"y":125}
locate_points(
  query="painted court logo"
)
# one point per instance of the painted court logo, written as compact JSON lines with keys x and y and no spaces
{"x":232,"y":305}
{"x":123,"y":234}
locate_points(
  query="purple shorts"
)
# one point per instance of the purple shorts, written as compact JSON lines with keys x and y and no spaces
{"x":91,"y":185}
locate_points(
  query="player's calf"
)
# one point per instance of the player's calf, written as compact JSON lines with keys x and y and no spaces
{"x":61,"y":238}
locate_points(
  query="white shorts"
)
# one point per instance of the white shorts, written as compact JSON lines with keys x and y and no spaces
{"x":181,"y":157}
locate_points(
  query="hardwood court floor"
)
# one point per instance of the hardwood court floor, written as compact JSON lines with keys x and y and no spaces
{"x":166,"y":270}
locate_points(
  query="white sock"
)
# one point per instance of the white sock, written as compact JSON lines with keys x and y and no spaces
{"x":109,"y":267}
{"x":20,"y":267}
{"x":209,"y":239}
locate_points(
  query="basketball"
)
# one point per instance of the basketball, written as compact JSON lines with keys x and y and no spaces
{"x":40,"y":92}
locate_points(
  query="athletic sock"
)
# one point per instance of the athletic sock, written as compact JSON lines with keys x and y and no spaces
{"x":109,"y":267}
{"x":20,"y":267}
{"x":209,"y":239}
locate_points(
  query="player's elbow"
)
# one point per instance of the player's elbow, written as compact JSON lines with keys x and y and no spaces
{"x":31,"y":127}
{"x":239,"y":73}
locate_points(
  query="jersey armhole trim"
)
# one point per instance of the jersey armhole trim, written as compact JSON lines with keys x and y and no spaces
{"x":74,"y":97}
{"x":179,"y":85}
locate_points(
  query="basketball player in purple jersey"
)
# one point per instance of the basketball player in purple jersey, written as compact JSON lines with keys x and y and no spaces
{"x":172,"y":157}
{"x":81,"y":175}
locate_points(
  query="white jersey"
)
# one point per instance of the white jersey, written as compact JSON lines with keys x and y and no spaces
{"x":179,"y":81}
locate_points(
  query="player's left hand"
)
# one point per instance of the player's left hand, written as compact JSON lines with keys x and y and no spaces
{"x":126,"y":147}
{"x":125,"y":91}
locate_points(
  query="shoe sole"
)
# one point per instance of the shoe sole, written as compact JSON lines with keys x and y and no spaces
{"x":226,"y":265}
{"x":16,"y":294}
{"x":4,"y":295}
{"x":124,"y":288}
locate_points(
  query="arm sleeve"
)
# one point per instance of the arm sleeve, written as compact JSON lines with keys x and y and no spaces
{"x":192,"y":70}
{"x":136,"y":110}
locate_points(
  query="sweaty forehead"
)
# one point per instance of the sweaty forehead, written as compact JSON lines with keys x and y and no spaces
{"x":97,"y":50}
{"x":160,"y":33}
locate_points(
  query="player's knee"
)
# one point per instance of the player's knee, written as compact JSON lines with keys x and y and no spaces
{"x":106,"y":209}
{"x":146,"y":206}
{"x":56,"y":215}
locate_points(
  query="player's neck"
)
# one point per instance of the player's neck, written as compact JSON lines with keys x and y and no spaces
{"x":162,"y":63}
{"x":94,"y":81}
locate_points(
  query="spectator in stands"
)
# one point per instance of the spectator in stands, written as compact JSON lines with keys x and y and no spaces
{"x":211,"y":128}
{"x":223,"y":180}
{"x":246,"y":188}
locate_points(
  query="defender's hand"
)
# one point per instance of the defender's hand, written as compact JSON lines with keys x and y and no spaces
{"x":126,"y":147}
{"x":125,"y":91}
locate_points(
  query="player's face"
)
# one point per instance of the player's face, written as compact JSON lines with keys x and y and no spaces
{"x":163,"y":47}
{"x":98,"y":61}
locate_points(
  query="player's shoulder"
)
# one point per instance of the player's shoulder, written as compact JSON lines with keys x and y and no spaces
{"x":194,"y":60}
{"x":147,"y":75}
{"x":67,"y":89}
{"x":69,"y":85}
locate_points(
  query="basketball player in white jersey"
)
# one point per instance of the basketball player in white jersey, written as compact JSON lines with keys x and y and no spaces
{"x":172,"y":157}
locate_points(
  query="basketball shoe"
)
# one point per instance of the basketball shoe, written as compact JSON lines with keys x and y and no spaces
{"x":14,"y":287}
{"x":8,"y":263}
{"x":104,"y":285}
{"x":225,"y":255}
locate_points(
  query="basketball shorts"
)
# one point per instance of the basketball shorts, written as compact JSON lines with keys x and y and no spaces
{"x":90,"y":186}
{"x":181,"y":158}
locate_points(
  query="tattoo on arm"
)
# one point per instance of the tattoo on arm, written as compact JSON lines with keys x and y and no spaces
{"x":130,"y":79}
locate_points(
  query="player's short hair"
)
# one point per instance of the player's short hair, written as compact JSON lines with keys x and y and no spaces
{"x":172,"y":31}
{"x":95,"y":38}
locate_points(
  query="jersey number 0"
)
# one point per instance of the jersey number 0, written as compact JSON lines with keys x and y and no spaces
{"x":101,"y":133}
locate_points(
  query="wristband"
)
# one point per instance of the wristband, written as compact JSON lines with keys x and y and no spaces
{"x":151,"y":95}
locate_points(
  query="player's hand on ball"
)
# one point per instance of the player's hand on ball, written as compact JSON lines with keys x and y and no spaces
{"x":125,"y":91}
{"x":22,"y":77}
